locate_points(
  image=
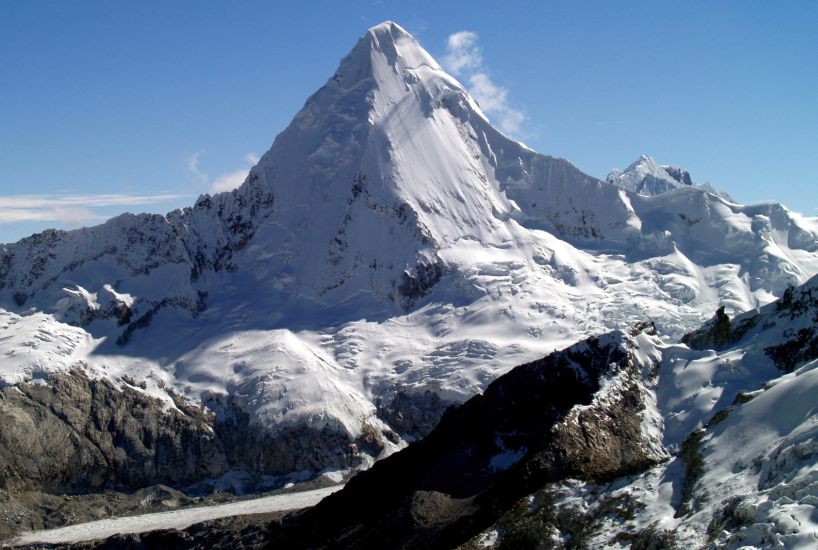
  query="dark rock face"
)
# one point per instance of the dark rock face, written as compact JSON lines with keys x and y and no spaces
{"x":793,"y":320}
{"x":801,"y":347}
{"x":291,"y":449}
{"x":80,"y":436}
{"x":413,"y":413}
{"x":719,"y":332}
{"x":523,"y":432}
{"x":682,"y":176}
{"x":800,"y":344}
{"x":416,"y":286}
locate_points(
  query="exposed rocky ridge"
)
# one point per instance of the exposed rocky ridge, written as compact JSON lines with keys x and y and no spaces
{"x":188,"y":241}
{"x":577,"y":412}
{"x":742,"y":475}
{"x":718,"y":332}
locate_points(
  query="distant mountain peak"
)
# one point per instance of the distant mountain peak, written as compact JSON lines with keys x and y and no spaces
{"x":647,"y":177}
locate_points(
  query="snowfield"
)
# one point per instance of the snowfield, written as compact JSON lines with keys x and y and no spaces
{"x":178,"y":519}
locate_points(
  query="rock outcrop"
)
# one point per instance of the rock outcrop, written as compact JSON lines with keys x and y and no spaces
{"x":81,"y":436}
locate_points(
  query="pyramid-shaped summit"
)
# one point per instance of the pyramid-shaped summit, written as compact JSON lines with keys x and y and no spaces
{"x":397,"y":161}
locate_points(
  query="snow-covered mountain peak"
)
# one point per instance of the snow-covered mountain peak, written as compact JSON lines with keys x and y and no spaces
{"x":647,"y":177}
{"x":379,"y":61}
{"x":391,"y":36}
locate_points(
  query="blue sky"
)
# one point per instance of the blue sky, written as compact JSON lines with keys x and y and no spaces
{"x":111,"y":106}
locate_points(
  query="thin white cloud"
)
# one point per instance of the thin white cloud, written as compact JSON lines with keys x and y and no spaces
{"x":74,"y":210}
{"x":193,"y":166}
{"x":223,"y":182}
{"x":462,"y":53}
{"x":72,"y":216}
{"x":69,"y":210}
{"x":50,"y":201}
{"x":464,"y":59}
{"x":14,"y":215}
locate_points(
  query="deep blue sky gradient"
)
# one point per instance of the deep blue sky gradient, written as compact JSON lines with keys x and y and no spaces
{"x":115,"y":97}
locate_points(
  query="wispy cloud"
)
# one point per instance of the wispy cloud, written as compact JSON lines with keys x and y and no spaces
{"x":74,"y":210}
{"x":462,"y":53}
{"x":50,"y":201}
{"x":223,"y":182}
{"x":69,"y":210}
{"x":193,"y":166}
{"x":465,"y":59}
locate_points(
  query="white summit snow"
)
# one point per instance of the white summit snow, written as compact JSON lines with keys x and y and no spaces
{"x":391,"y":239}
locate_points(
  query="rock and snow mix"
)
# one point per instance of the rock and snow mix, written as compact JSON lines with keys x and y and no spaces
{"x":391,"y":242}
{"x":744,"y":472}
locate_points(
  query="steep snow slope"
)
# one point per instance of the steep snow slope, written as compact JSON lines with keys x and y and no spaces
{"x":390,"y":243}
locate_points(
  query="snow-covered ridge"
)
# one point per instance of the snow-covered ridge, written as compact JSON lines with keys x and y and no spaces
{"x":390,"y":241}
